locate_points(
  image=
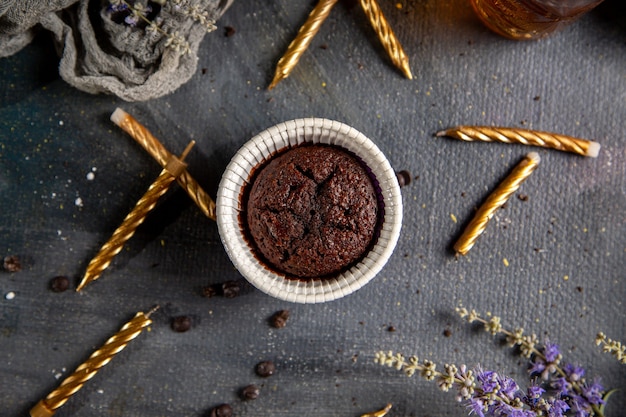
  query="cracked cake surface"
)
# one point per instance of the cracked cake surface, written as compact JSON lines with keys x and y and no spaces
{"x":312,"y":211}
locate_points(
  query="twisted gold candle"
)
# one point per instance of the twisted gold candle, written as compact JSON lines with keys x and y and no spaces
{"x":496,"y":200}
{"x":152,"y":145}
{"x":48,"y":406}
{"x":387,"y":37}
{"x":130,"y":224}
{"x":527,"y":137}
{"x":302,"y":40}
{"x":379,"y":413}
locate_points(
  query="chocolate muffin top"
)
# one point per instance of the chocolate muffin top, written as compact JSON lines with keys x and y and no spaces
{"x":312,"y":211}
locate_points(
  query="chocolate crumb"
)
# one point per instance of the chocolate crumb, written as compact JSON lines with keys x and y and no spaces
{"x":522,"y":197}
{"x":404,"y":178}
{"x":209,"y":291}
{"x":265,"y":369}
{"x":579,"y":289}
{"x":229,"y":31}
{"x":537,"y":98}
{"x":204,"y":71}
{"x":231,"y":289}
{"x":279,"y":319}
{"x":12,"y":263}
{"x":224,"y":410}
{"x":59,"y":284}
{"x":447,"y":332}
{"x":391,"y":328}
{"x":324,"y":46}
{"x":181,"y":324}
{"x":251,"y":392}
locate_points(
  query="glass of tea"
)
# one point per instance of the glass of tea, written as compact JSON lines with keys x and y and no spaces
{"x":529,"y":19}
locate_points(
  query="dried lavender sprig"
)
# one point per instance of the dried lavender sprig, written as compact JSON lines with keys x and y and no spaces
{"x":587,"y":399}
{"x":173,"y":40}
{"x":614,"y":347}
{"x":484,"y":392}
{"x":196,"y":13}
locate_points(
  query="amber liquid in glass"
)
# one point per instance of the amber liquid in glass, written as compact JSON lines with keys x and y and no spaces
{"x":529,"y":19}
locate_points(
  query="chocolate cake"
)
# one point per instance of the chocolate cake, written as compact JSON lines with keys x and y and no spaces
{"x":311,"y":211}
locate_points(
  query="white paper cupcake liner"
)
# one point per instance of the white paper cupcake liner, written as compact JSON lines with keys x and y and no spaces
{"x":262,"y":147}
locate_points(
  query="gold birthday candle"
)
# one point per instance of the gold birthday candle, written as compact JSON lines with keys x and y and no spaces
{"x":527,"y":137}
{"x":496,"y":200}
{"x":165,"y":159}
{"x":387,"y":37}
{"x":70,"y":385}
{"x":302,"y":40}
{"x":132,"y":221}
{"x":379,"y":413}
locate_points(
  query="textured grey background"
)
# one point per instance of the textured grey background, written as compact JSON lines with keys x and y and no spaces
{"x":573,"y":224}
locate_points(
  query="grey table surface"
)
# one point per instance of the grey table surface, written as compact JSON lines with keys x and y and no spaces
{"x":565,"y":246}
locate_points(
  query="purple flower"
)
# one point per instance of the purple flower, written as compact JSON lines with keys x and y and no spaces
{"x":551,"y":352}
{"x":476,"y":406}
{"x":488,"y":380}
{"x":117,"y":7}
{"x":593,"y":392}
{"x":535,"y":391}
{"x":591,"y":395}
{"x":580,"y":406}
{"x":502,"y":409}
{"x":557,"y":408}
{"x":573,"y":373}
{"x":508,"y":387}
{"x":537,"y":366}
{"x":131,"y":20}
{"x":533,"y":394}
{"x":561,"y":385}
{"x":546,"y":365}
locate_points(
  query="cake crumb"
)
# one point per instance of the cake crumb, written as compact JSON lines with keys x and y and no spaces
{"x":279,"y":319}
{"x":12,"y":263}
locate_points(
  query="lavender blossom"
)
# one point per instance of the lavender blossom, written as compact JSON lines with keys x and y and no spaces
{"x":546,"y":363}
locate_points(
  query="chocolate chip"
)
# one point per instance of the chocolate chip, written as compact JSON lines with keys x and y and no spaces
{"x":279,"y":319}
{"x":231,"y":289}
{"x":404,"y":178}
{"x":59,"y":284}
{"x":223,"y":410}
{"x":181,"y":324}
{"x":447,"y":332}
{"x":12,"y":264}
{"x":251,"y":392}
{"x":265,"y":369}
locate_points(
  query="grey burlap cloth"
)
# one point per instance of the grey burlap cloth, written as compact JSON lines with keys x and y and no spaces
{"x":134,"y":49}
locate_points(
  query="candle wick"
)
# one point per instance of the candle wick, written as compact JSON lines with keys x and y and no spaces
{"x":149,"y":313}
